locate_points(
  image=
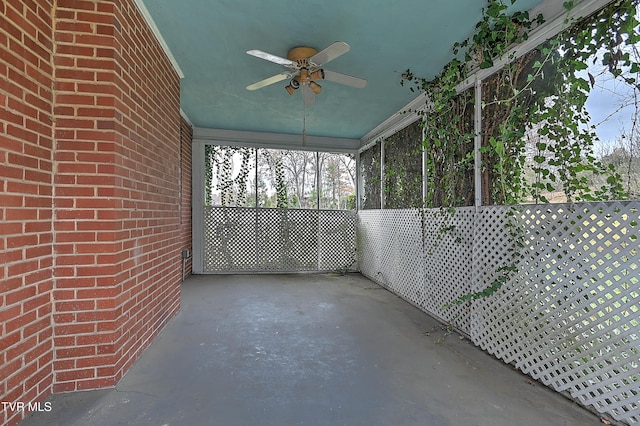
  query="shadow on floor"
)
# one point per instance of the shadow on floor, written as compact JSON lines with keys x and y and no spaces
{"x":310,"y":350}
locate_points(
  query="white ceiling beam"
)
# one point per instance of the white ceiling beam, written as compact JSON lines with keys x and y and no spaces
{"x":274,"y":140}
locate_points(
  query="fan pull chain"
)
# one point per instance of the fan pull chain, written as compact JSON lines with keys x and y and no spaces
{"x":304,"y":124}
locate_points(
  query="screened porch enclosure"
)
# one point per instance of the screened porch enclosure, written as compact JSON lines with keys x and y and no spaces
{"x":552,"y":289}
{"x":566,"y":312}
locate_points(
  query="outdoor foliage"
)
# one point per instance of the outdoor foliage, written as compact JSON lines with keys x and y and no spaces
{"x":403,"y":168}
{"x":227,"y":174}
{"x":536,"y":136}
{"x":249,"y":177}
{"x":370,"y":173}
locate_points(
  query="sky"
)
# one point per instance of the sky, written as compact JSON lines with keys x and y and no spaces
{"x":603,"y":101}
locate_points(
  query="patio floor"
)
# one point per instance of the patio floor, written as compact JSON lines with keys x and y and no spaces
{"x":311,"y":350}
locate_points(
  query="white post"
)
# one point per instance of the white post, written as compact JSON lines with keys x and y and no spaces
{"x":478,"y":143}
{"x":358,"y":181}
{"x":425,"y":184}
{"x":382,"y":194}
{"x":197,"y":214}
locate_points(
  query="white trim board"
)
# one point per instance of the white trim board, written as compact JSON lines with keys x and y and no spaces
{"x":154,"y":28}
{"x":274,"y":140}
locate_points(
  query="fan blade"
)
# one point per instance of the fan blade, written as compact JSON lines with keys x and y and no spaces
{"x":273,"y":58}
{"x":307,"y":95}
{"x":268,"y":81}
{"x":329,"y":53}
{"x":345,"y":79}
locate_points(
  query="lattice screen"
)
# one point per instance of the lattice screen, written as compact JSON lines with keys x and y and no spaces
{"x":390,"y":251}
{"x":288,"y":240}
{"x":336,"y":240}
{"x":370,"y":162}
{"x":429,"y":272}
{"x":448,"y":238}
{"x":230,"y":234}
{"x":403,"y":168}
{"x":569,"y":316}
{"x":283,"y":240}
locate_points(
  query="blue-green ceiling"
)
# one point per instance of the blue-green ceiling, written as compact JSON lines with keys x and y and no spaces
{"x":209,"y":39}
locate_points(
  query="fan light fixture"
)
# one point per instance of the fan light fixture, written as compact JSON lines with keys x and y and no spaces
{"x":317,"y":75}
{"x":292,"y":86}
{"x":306,"y":78}
{"x":315,"y":87}
{"x":305,"y":66}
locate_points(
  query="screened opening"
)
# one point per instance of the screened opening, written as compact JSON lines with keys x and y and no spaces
{"x":403,"y":168}
{"x":270,"y":178}
{"x":370,"y":173}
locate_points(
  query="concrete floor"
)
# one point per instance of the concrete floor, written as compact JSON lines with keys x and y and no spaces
{"x":311,"y":350}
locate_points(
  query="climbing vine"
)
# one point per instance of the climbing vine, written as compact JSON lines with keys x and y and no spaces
{"x":536,"y":133}
{"x":282,"y":199}
{"x":543,"y":91}
{"x":403,"y":168}
{"x":219,"y":175}
{"x":370,"y":163}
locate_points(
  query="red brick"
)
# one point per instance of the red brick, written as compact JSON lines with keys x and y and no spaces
{"x":75,"y":306}
{"x":41,"y":275}
{"x":19,"y":295}
{"x":22,"y":214}
{"x":75,"y":99}
{"x":72,"y":50}
{"x":64,"y":387}
{"x":26,"y":344}
{"x":10,"y":368}
{"x":8,"y":228}
{"x":21,"y":187}
{"x":96,"y":361}
{"x":74,"y":375}
{"x":22,"y":375}
{"x":96,"y":383}
{"x":73,"y":329}
{"x":75,"y":214}
{"x":130,"y":118}
{"x":33,"y":303}
{"x":7,"y":313}
{"x":42,"y":375}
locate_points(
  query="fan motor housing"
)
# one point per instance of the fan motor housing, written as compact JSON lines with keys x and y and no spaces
{"x":301,"y":53}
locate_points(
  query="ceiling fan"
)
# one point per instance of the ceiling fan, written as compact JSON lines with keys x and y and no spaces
{"x":305,"y":70}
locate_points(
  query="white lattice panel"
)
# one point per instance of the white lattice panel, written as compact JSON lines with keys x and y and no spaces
{"x":287,"y":240}
{"x":336,"y":240}
{"x":492,"y":251}
{"x":266,"y":240}
{"x":368,"y":249}
{"x":448,"y":240}
{"x":570,"y":315}
{"x":230,"y":239}
{"x":390,"y":251}
{"x":429,"y":265}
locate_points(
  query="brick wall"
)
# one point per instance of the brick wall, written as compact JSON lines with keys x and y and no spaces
{"x":95,"y":204}
{"x":118,"y":254}
{"x":26,"y":253}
